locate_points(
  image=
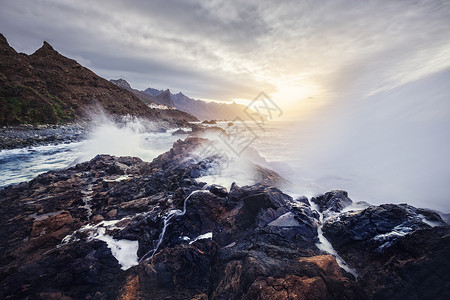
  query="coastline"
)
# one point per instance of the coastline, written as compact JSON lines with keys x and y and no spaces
{"x":97,"y":220}
{"x":22,"y":136}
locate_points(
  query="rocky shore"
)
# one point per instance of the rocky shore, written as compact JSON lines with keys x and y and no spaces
{"x":121,"y":228}
{"x":37,"y":135}
{"x":21,"y":136}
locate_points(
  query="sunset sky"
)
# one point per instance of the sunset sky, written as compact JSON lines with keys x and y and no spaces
{"x":298,"y":52}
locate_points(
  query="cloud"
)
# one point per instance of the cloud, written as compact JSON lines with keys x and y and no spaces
{"x":226,"y":49}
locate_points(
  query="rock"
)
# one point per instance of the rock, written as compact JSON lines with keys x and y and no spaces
{"x":381,"y":224}
{"x":87,"y":232}
{"x":112,"y":213}
{"x":22,"y":136}
{"x":327,"y":283}
{"x":180,"y":132}
{"x":218,"y":190}
{"x":333,"y":201}
{"x":49,"y":88}
{"x":392,"y":247}
{"x":97,"y":218}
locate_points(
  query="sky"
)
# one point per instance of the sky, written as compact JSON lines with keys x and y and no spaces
{"x":301,"y":53}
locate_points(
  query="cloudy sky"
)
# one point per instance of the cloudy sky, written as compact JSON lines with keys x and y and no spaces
{"x":295,"y":51}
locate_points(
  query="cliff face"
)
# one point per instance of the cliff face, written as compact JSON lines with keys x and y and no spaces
{"x":47,"y":87}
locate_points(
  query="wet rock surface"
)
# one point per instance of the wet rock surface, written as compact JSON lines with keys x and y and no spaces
{"x":332,"y":202}
{"x":399,"y":251}
{"x":122,"y":228}
{"x":28,"y":135}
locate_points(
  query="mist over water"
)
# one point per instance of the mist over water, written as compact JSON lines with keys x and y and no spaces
{"x":129,"y":137}
{"x":392,"y":147}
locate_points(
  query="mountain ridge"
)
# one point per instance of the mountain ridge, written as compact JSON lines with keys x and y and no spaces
{"x":47,"y":87}
{"x":201,"y":109}
{"x":204,"y":110}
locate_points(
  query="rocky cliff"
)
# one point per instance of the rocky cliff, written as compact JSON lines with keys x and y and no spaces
{"x":121,"y":228}
{"x":47,"y":87}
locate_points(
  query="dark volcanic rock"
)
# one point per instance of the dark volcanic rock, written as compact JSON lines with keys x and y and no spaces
{"x":381,"y":224}
{"x":389,"y":248}
{"x":27,"y":135}
{"x":121,"y":228}
{"x":333,"y":201}
{"x":248,"y":257}
{"x":218,"y":190}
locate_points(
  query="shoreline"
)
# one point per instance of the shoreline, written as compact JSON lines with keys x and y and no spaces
{"x":109,"y":212}
{"x":22,"y":136}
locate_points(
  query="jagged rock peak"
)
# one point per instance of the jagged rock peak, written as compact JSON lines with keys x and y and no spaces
{"x":45,"y":49}
{"x":5,"y":48}
{"x":3,"y":40}
{"x":47,"y":46}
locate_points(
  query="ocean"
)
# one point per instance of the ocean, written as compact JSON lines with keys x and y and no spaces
{"x":370,"y":167}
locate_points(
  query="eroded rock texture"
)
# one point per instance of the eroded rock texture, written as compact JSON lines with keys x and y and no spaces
{"x":121,"y":228}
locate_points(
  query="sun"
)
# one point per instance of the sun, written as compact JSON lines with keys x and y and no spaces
{"x":297,"y":98}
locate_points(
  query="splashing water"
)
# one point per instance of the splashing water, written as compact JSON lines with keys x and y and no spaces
{"x":167,"y":221}
{"x":87,"y":197}
{"x":131,"y":137}
{"x":326,"y":246}
{"x":125,"y":251}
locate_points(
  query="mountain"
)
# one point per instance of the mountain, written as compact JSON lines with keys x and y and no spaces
{"x":148,"y":97}
{"x":209,"y":110}
{"x":125,"y":85}
{"x":47,"y":87}
{"x":152,"y":92}
{"x":163,"y":98}
{"x":201,"y":109}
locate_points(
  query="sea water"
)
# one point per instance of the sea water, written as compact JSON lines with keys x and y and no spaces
{"x":24,"y":164}
{"x":396,"y":164}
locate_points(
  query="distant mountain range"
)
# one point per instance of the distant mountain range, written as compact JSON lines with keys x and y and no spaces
{"x":47,"y":87}
{"x":161,"y":97}
{"x":210,"y":110}
{"x":201,"y":109}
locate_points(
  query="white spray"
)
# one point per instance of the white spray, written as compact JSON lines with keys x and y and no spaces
{"x":391,"y":147}
{"x":167,"y":221}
